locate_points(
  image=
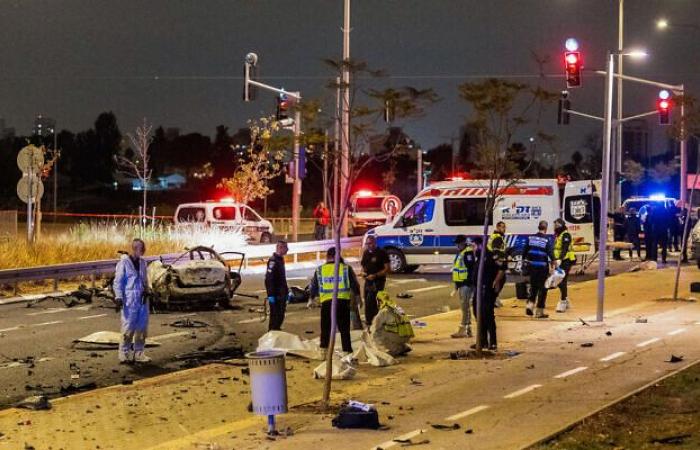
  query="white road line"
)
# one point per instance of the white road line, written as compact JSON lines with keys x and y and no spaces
{"x":571,"y":372}
{"x":697,"y":323}
{"x":409,"y":280}
{"x":429,"y":288}
{"x":612,"y":356}
{"x":403,"y":437}
{"x":9,"y":329}
{"x":253,"y":320}
{"x":522,"y":391}
{"x":170,"y":335}
{"x":91,"y":317}
{"x":468,"y":412}
{"x":58,"y":310}
{"x":650,"y":341}
{"x":675,"y":332}
{"x":43,"y":324}
{"x":297,"y":278}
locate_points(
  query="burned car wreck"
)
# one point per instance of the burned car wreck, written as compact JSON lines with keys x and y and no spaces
{"x":199,"y":278}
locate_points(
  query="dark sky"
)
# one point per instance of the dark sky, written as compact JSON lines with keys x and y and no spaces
{"x":71,"y":59}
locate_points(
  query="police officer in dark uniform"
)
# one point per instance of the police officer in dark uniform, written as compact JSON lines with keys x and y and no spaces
{"x":276,"y":286}
{"x":491,"y":284}
{"x":539,"y":255}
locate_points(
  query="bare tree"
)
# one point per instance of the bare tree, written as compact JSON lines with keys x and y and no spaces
{"x":137,"y":164}
{"x":366,"y":108}
{"x":502,"y":108}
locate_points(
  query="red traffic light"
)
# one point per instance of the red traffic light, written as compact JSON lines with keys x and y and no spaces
{"x":663,"y":106}
{"x":573,"y":65}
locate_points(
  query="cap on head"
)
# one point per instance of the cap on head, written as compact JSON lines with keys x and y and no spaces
{"x":330,"y":253}
{"x":460,"y":239}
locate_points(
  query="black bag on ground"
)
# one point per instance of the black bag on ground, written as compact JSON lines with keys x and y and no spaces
{"x":350,"y":417}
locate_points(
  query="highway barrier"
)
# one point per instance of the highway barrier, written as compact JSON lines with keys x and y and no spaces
{"x":93,"y":269}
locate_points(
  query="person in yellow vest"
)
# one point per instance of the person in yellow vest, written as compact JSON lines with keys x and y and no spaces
{"x":322,"y":286}
{"x":564,"y":258}
{"x":497,"y":246}
{"x":462,"y":276}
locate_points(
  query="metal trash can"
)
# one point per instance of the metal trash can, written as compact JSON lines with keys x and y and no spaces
{"x":268,"y":382}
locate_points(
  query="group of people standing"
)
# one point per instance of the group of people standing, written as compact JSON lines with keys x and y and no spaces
{"x":540,"y":255}
{"x":663,"y":228}
{"x":375,"y":267}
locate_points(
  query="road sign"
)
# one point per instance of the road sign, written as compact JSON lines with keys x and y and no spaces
{"x":27,"y":184}
{"x":391,"y":205}
{"x":30,"y":159}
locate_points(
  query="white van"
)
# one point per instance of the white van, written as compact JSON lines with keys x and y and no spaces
{"x":424,"y":231}
{"x":225,"y":214}
{"x":367,"y":210}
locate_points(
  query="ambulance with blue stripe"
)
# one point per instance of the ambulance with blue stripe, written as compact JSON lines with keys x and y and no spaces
{"x":423,"y":232}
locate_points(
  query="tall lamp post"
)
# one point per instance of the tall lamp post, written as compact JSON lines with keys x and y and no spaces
{"x":605,"y":182}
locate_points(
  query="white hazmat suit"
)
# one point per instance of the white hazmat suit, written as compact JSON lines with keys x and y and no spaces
{"x":130,"y":284}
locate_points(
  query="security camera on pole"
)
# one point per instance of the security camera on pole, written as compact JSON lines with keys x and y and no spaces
{"x":250,"y":86}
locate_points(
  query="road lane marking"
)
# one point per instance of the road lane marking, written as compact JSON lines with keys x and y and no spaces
{"x":425,"y":289}
{"x":612,"y":356}
{"x":43,"y":324}
{"x":468,"y":412}
{"x":650,"y":341}
{"x":170,"y":335}
{"x":95,"y":316}
{"x":403,"y":437}
{"x":10,"y":329}
{"x":523,"y":391}
{"x":675,"y":332}
{"x":571,"y":372}
{"x":409,"y":280}
{"x":253,"y":320}
{"x":297,"y":278}
{"x":58,"y":310}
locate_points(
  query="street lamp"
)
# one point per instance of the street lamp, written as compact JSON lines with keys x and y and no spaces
{"x":605,"y":182}
{"x":661,"y":24}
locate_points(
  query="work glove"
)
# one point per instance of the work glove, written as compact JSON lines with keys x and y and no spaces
{"x":557,"y":263}
{"x":271,"y":299}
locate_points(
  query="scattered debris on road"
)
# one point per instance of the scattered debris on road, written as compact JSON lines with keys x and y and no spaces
{"x":583,"y":322}
{"x":109,"y":339}
{"x":217,"y":355}
{"x":356,"y":414}
{"x":674,"y":359}
{"x":675,"y":440}
{"x":587,"y":344}
{"x":440,"y":426}
{"x":640,"y":320}
{"x":189,"y":323}
{"x":35,"y":403}
{"x":404,"y":295}
{"x":608,"y":333}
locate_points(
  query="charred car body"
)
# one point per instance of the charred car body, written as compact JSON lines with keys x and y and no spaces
{"x":200,"y":277}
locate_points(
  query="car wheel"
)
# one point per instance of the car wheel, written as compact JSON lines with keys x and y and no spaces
{"x":265,"y":238}
{"x":397,"y":261}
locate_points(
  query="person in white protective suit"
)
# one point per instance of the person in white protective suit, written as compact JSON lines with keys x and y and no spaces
{"x":130,"y":283}
{"x":391,"y":330}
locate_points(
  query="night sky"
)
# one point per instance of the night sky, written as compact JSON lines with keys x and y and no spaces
{"x":72,"y":59}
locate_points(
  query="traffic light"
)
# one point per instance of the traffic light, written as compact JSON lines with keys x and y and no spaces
{"x":250,"y":73}
{"x":563,"y":110}
{"x":663,"y":106}
{"x":573,"y":63}
{"x":282,"y":107}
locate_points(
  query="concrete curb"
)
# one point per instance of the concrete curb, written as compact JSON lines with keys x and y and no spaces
{"x":577,"y":421}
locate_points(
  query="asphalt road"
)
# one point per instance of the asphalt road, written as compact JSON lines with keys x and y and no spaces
{"x":38,"y":354}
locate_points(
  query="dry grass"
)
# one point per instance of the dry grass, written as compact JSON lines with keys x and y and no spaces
{"x":96,"y":241}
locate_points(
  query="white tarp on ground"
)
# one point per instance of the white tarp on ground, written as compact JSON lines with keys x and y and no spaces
{"x":109,"y":338}
{"x":365,"y":352}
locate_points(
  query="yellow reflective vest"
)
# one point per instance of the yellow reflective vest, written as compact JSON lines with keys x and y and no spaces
{"x":495,"y":235}
{"x":326,"y":282}
{"x":559,"y":242}
{"x":459,"y":269}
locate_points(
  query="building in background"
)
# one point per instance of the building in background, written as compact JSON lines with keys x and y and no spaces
{"x":43,"y":126}
{"x":636,"y":142}
{"x":5,"y":132}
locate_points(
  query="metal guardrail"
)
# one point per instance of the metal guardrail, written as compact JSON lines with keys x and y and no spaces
{"x":106,"y":267}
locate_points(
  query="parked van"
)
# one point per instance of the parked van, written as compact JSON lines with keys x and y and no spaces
{"x":424,"y":231}
{"x":225,"y":214}
{"x":369,"y":209}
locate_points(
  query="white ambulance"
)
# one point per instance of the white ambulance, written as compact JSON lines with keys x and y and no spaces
{"x":424,"y":231}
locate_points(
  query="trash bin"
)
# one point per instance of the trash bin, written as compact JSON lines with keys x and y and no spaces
{"x":268,"y":382}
